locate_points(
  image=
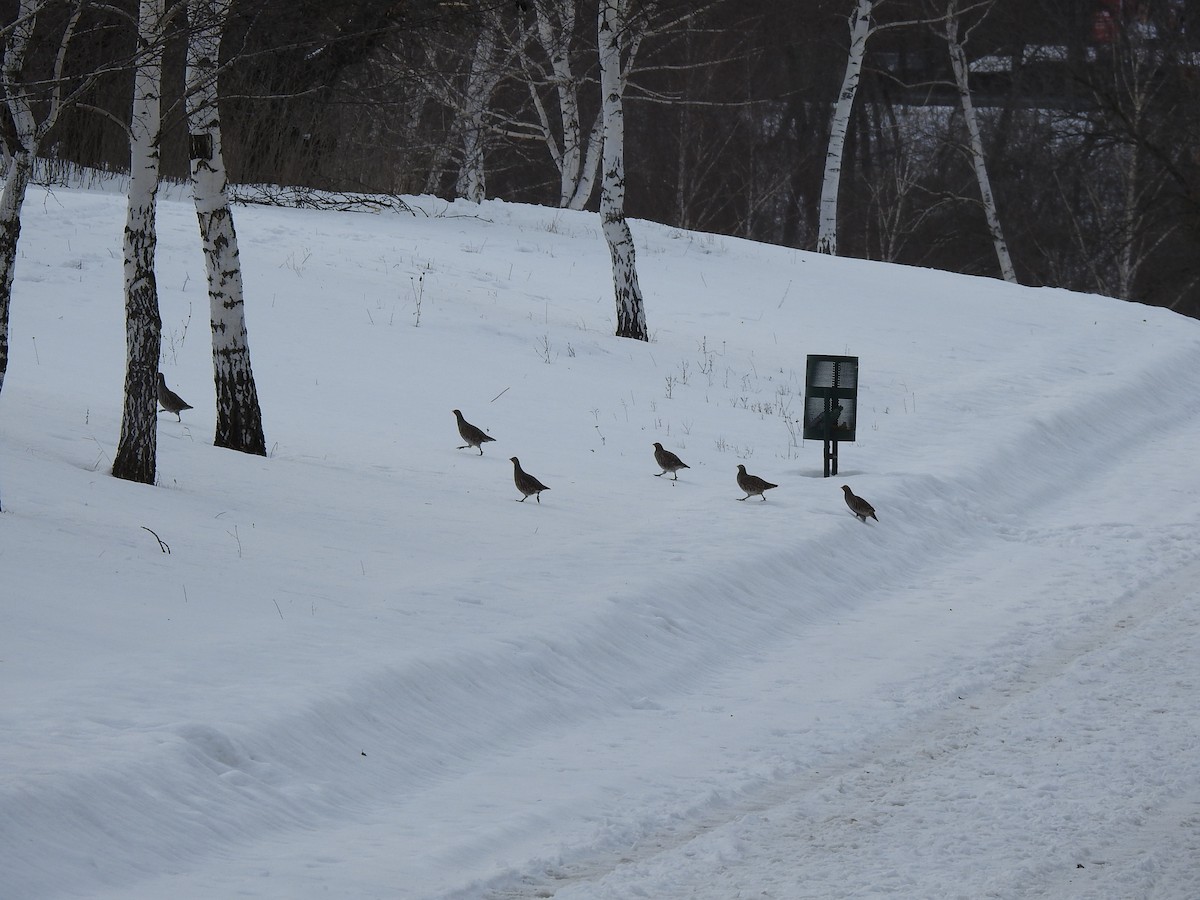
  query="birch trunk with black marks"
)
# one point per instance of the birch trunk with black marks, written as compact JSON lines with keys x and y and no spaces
{"x":137,"y":449}
{"x":26,"y":136}
{"x":19,"y":172}
{"x":239,"y":417}
{"x":631,"y":316}
{"x":860,"y":30}
{"x":576,"y":153}
{"x":958,"y":62}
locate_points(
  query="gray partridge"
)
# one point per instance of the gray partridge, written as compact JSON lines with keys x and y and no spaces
{"x":473,"y":436}
{"x":526,"y":483}
{"x":858,"y":505}
{"x":169,"y":400}
{"x":668,"y":462}
{"x":752,"y":484}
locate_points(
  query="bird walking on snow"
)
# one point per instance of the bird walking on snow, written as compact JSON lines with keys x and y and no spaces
{"x":752,"y":484}
{"x":473,"y":436}
{"x":858,"y":505}
{"x":169,"y":400}
{"x":668,"y":462}
{"x":526,"y":483}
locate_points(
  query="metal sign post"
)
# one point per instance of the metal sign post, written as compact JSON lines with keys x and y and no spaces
{"x":831,"y":403}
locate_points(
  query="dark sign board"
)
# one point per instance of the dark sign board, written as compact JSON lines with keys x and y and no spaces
{"x":831,"y":398}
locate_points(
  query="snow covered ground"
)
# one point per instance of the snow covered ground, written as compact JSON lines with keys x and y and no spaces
{"x":364,"y":670}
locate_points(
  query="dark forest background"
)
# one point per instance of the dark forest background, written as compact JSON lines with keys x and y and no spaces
{"x":1091,"y":112}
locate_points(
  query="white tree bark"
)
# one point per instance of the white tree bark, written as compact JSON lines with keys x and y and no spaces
{"x":27,"y":134}
{"x":239,"y":417}
{"x":21,"y":164}
{"x":19,"y":171}
{"x":135,"y":459}
{"x":958,"y":62}
{"x":860,"y":30}
{"x":585,"y":185}
{"x":481,"y":83}
{"x":575,"y":152}
{"x":555,"y":39}
{"x":631,"y":315}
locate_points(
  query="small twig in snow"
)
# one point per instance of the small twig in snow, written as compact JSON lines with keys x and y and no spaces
{"x":162,"y":545}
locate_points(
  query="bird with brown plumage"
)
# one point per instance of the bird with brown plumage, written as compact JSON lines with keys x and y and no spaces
{"x":860,"y":507}
{"x":752,"y":484}
{"x":526,"y":483}
{"x":668,"y":462}
{"x":169,"y":400}
{"x":474,"y":437}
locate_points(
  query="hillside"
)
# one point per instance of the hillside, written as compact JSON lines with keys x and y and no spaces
{"x":364,"y":670}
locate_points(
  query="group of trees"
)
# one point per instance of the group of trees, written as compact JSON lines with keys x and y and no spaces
{"x":55,"y":53}
{"x":1042,"y":141}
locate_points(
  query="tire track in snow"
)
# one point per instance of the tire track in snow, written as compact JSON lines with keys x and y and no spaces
{"x":1094,"y":454}
{"x":208,"y":792}
{"x":852,"y":830}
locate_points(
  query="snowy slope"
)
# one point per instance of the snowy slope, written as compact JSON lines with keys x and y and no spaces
{"x":364,"y":670}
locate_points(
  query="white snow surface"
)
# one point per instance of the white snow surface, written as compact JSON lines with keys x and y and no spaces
{"x":364,"y":670}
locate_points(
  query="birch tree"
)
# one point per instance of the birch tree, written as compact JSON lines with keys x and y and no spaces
{"x":239,"y":417}
{"x":22,"y":95}
{"x":1142,"y":137}
{"x":463,"y":83}
{"x":137,"y":448}
{"x":482,"y":79}
{"x":631,"y":316}
{"x":839,"y":126}
{"x":574,"y":147}
{"x":958,"y":63}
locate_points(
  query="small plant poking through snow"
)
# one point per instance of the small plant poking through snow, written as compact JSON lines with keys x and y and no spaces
{"x":723,"y":446}
{"x":298,"y":265}
{"x":175,"y":338}
{"x":418,"y":290}
{"x":795,"y":433}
